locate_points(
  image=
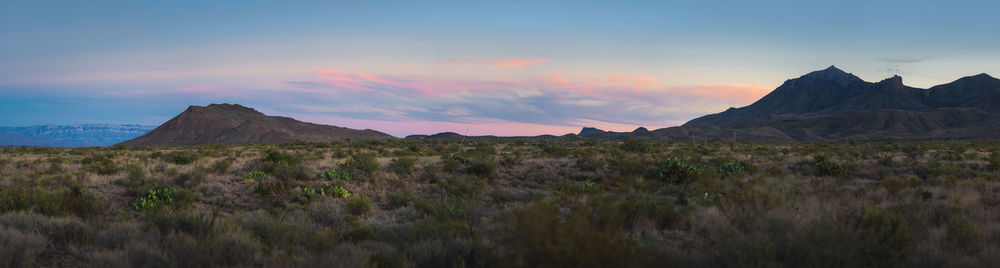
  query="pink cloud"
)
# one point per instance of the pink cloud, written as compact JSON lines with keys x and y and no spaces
{"x":503,"y":63}
{"x":642,"y":80}
{"x":484,"y":127}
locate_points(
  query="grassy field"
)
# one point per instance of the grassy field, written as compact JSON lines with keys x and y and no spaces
{"x":504,"y":203}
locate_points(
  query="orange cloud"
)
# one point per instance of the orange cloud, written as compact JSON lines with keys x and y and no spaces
{"x":503,"y":63}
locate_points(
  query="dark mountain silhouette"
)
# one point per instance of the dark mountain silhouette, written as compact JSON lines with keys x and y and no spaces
{"x":831,"y":104}
{"x":236,"y":124}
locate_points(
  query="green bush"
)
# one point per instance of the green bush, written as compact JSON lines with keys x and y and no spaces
{"x":554,"y":149}
{"x":482,"y":167}
{"x":403,"y":165}
{"x":282,"y":166}
{"x":884,"y":238}
{"x":567,"y":234}
{"x":102,"y":164}
{"x":358,"y":205}
{"x":661,"y":209}
{"x":180,"y":157}
{"x":963,"y":233}
{"x":363,"y":163}
{"x":221,"y":166}
{"x":256,"y":175}
{"x":994,"y":162}
{"x":162,"y":197}
{"x":69,"y":200}
{"x":464,"y":186}
{"x":732,"y":168}
{"x":635,"y":146}
{"x":333,"y":175}
{"x":822,"y":166}
{"x":673,"y":170}
{"x":586,"y":187}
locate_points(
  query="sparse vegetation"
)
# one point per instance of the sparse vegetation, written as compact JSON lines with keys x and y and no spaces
{"x":637,"y":203}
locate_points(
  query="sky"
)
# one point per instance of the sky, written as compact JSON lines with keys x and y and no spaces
{"x":473,"y":67}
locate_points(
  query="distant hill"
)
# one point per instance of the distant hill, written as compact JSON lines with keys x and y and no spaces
{"x":833,"y":105}
{"x":236,"y":124}
{"x":79,"y":135}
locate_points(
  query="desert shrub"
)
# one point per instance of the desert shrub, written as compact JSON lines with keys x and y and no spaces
{"x":884,"y":237}
{"x":272,"y":229}
{"x":584,"y":233}
{"x":586,"y":187}
{"x":464,"y":186}
{"x":627,"y":165}
{"x":746,"y":204}
{"x":403,"y":165}
{"x":357,"y":230}
{"x":387,"y":261}
{"x":553,"y":149}
{"x":482,"y":167}
{"x":822,"y":166}
{"x":503,"y":197}
{"x":994,"y":162}
{"x":282,"y":166}
{"x":21,"y":249}
{"x":362,"y":163}
{"x":62,"y":232}
{"x":453,"y":162}
{"x":196,"y":224}
{"x":635,"y":145}
{"x":587,"y":160}
{"x":102,"y":164}
{"x":307,"y":194}
{"x":511,"y":159}
{"x":269,"y":187}
{"x":358,"y":205}
{"x":68,"y":200}
{"x":336,"y":191}
{"x":221,"y":166}
{"x":963,"y":233}
{"x":400,"y":198}
{"x":191,"y":179}
{"x":256,"y":175}
{"x":661,"y":209}
{"x":179,"y":157}
{"x":731,"y":168}
{"x":333,"y":175}
{"x":674,"y":170}
{"x":162,"y":197}
{"x":893,"y":184}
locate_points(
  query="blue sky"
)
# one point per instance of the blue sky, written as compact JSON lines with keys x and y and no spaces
{"x":508,"y":68}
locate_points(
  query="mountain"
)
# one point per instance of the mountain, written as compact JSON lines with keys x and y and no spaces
{"x":831,"y":104}
{"x":79,"y":135}
{"x":236,"y":124}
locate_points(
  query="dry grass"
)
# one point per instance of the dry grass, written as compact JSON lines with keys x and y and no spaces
{"x":786,"y":204}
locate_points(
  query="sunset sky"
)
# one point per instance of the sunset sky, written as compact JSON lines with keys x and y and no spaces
{"x":472,"y":67}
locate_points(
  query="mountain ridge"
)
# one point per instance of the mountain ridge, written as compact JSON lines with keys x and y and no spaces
{"x":236,"y":124}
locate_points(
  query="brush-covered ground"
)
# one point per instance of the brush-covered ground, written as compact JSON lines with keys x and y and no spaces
{"x":522,"y":203}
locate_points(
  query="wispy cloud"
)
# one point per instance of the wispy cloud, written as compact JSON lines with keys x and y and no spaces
{"x":905,"y":59}
{"x":504,"y":63}
{"x":554,"y":99}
